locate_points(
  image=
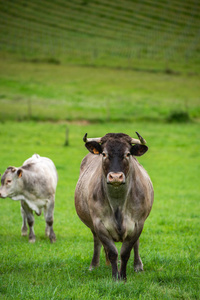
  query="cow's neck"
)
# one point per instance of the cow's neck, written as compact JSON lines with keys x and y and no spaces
{"x":116,"y":195}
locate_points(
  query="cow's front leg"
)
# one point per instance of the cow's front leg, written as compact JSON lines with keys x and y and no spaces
{"x":30,"y":219}
{"x":96,"y":254}
{"x":24,"y":229}
{"x":128,"y":244}
{"x":138,"y":265}
{"x":48,"y":214}
{"x":109,"y":246}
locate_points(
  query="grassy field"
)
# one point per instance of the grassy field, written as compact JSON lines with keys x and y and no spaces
{"x":147,"y":35}
{"x":97,"y":67}
{"x":170,"y":240}
{"x":65,"y":92}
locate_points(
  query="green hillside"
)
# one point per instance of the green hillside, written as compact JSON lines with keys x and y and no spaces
{"x":150,"y":34}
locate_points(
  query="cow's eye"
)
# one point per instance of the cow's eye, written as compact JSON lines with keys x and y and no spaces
{"x":8,"y":181}
{"x":128,"y":154}
{"x":104,"y":154}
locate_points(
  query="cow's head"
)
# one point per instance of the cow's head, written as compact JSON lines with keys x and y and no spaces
{"x":116,"y":150}
{"x":9,"y":182}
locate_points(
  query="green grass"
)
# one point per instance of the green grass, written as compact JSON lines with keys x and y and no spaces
{"x":150,"y":35}
{"x":169,"y":243}
{"x":64,"y":92}
{"x":36,"y":84}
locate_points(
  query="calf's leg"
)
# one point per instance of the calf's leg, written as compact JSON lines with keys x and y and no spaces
{"x":48,"y":214}
{"x":24,"y":229}
{"x":30,"y":219}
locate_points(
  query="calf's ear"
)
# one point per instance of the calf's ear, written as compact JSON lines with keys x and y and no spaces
{"x":138,"y":150}
{"x":19,"y":173}
{"x":93,"y":147}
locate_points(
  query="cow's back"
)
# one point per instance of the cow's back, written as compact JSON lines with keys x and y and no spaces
{"x":43,"y":169}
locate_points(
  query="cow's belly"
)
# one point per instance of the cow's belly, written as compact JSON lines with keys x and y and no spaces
{"x":119,"y":231}
{"x":35,"y":205}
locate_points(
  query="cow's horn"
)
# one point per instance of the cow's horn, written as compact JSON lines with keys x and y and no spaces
{"x":140,"y":141}
{"x":85,"y":139}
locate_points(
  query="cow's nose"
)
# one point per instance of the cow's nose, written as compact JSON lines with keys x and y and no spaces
{"x":116,"y":178}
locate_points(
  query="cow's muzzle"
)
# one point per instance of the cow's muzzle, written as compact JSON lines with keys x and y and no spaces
{"x":116,"y":178}
{"x":2,"y":194}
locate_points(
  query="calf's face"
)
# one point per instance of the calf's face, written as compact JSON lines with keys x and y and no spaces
{"x":116,"y":154}
{"x":9,"y":182}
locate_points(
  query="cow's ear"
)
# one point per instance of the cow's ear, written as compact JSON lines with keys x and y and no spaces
{"x":138,"y":150}
{"x":93,"y":147}
{"x":19,"y":173}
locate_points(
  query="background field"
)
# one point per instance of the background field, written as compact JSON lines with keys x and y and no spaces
{"x":148,"y":35}
{"x":47,"y":92}
{"x":98,"y":67}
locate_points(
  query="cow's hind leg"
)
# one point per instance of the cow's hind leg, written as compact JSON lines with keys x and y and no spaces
{"x":30,"y":219}
{"x":138,"y":265}
{"x":24,"y":229}
{"x":96,"y":254}
{"x":48,"y":214}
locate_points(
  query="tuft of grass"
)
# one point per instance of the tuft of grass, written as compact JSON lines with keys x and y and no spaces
{"x":179,"y":117}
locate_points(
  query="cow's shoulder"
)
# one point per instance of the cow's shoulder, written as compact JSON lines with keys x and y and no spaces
{"x":90,"y":161}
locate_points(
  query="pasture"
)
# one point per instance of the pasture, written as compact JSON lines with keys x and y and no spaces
{"x":169,"y":243}
{"x":42,"y":91}
{"x":99,"y":67}
{"x":147,"y":35}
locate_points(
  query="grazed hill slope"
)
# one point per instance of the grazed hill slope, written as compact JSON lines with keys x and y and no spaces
{"x":129,"y":33}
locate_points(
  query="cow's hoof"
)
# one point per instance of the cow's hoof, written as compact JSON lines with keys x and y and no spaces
{"x":32,"y":240}
{"x":24,"y":233}
{"x":92,"y":267}
{"x":138,"y":265}
{"x":52,"y":239}
{"x":47,"y":232}
{"x":138,"y":268}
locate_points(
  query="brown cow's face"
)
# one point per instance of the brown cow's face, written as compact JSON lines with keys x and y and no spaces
{"x":115,"y":162}
{"x":116,"y":152}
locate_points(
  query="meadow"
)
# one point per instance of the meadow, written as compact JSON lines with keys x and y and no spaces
{"x":44,"y":91}
{"x":170,"y":240}
{"x":148,"y":35}
{"x":97,"y":67}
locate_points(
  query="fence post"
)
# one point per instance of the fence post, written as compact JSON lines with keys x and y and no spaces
{"x":29,"y":108}
{"x":67,"y":137}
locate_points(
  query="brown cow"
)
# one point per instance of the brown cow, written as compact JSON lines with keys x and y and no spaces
{"x":114,"y":196}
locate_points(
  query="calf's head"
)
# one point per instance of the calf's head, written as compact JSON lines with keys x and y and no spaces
{"x":9,"y":182}
{"x":116,"y":150}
